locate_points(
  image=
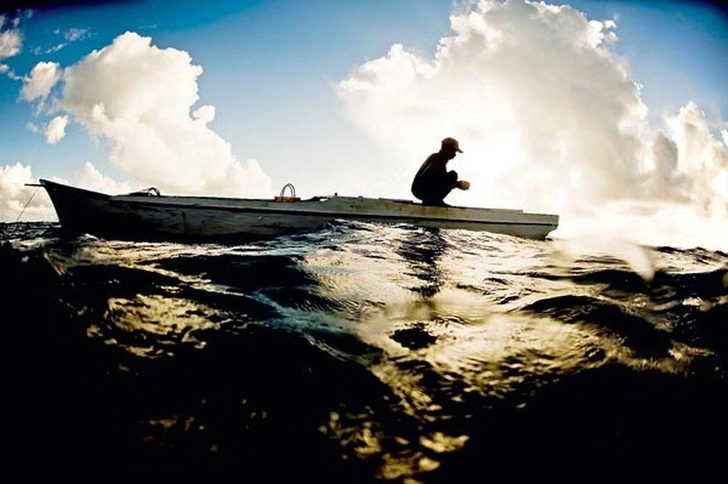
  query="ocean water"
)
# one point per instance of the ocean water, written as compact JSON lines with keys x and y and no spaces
{"x":361,"y":353}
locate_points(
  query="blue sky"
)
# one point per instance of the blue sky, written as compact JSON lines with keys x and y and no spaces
{"x":349,"y":97}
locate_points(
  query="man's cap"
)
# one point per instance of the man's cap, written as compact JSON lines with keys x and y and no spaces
{"x":453,"y":143}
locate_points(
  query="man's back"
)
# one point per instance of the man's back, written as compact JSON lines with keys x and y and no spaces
{"x":431,"y":170}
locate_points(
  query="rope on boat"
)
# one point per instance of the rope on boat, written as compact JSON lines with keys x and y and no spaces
{"x":29,"y":200}
{"x":291,"y":198}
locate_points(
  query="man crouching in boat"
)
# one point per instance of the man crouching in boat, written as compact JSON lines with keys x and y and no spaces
{"x":433,"y":182}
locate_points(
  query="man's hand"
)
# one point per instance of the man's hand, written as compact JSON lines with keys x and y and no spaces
{"x":463,"y":185}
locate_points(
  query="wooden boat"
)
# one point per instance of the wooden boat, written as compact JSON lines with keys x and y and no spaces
{"x":147,"y":215}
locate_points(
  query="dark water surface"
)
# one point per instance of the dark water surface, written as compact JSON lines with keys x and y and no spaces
{"x":362,"y":353}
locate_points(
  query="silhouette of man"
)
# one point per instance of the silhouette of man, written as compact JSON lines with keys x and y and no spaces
{"x":433,"y":182}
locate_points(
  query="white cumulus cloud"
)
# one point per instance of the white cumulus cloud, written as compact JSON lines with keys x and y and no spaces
{"x":56,"y":129}
{"x":204,"y":114}
{"x":702,"y":161}
{"x":139,"y":98}
{"x":11,"y":43}
{"x":92,"y":179}
{"x":41,"y":80}
{"x":75,"y":34}
{"x":21,"y":202}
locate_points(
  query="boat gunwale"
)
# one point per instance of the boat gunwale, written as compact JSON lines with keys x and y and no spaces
{"x":553,"y":219}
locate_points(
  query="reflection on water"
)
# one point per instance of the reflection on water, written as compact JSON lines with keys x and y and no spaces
{"x":151,"y":325}
{"x":422,"y":250}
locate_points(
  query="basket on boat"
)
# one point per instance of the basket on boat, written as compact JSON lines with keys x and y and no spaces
{"x":290,"y":198}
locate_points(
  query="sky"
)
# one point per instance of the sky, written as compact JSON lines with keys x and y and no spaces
{"x":611,"y":114}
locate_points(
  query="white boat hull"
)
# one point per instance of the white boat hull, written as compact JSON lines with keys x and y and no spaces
{"x":141,"y":216}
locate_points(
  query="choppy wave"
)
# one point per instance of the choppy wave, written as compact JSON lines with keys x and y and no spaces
{"x":362,"y":353}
